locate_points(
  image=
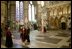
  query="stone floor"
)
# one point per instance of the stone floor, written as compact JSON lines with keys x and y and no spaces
{"x":51,"y":39}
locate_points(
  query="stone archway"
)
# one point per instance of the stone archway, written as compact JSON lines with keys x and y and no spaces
{"x":63,"y":19}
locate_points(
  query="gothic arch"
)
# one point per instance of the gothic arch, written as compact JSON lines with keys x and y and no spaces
{"x":62,"y":17}
{"x":65,"y":19}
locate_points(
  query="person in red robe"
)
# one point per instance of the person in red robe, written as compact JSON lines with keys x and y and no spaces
{"x":44,"y":30}
{"x":9,"y":42}
{"x":22,"y":34}
{"x":25,"y":35}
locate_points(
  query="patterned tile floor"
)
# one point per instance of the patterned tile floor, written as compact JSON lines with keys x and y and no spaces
{"x":51,"y":39}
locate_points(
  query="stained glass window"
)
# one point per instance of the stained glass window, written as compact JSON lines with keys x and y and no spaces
{"x":19,"y":11}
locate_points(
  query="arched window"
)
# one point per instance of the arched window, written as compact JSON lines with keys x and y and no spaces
{"x":31,"y":11}
{"x":19,"y":12}
{"x":33,"y":14}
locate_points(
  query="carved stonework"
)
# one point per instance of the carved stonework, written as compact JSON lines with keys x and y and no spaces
{"x":56,"y":23}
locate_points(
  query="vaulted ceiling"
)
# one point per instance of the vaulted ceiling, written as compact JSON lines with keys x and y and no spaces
{"x":51,"y":2}
{"x":35,"y":3}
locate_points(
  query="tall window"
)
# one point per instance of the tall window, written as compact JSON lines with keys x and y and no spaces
{"x":19,"y":12}
{"x":31,"y":12}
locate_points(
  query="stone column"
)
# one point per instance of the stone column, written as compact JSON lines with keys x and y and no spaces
{"x":8,"y":18}
{"x":12,"y":14}
{"x":8,"y":13}
{"x":48,"y":15}
{"x":36,"y":12}
{"x":44,"y":18}
{"x":25,"y":5}
{"x":39,"y":15}
{"x":3,"y":15}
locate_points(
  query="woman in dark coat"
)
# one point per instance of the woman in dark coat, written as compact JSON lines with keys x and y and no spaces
{"x":23,"y":34}
{"x":44,"y":29}
{"x":9,"y":42}
{"x":27,"y":35}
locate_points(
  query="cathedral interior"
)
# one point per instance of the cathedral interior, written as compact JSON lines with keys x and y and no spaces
{"x":54,"y":16}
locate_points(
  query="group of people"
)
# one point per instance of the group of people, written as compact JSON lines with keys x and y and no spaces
{"x":24,"y":34}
